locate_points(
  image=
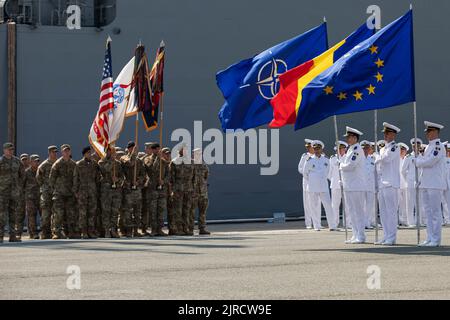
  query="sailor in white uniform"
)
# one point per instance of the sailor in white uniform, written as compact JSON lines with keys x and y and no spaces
{"x":316,"y":172}
{"x":353,"y":172}
{"x":369,"y":203}
{"x":335,"y":182}
{"x":402,"y":199}
{"x":309,"y":152}
{"x":446,"y":198}
{"x":432,"y":183}
{"x":388,"y":162}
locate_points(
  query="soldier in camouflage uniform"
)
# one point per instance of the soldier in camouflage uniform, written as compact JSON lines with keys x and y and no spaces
{"x":31,"y":188}
{"x":64,"y":204}
{"x":152,"y":150}
{"x":20,"y":208}
{"x":144,"y":220}
{"x":86,"y":178}
{"x":111,"y":182}
{"x":200,"y":198}
{"x":134,"y":172}
{"x":159,"y":202}
{"x":9,"y":190}
{"x":46,"y":192}
{"x":182,"y":182}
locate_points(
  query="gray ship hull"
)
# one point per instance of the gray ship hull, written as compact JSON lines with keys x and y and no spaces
{"x":59,"y":76}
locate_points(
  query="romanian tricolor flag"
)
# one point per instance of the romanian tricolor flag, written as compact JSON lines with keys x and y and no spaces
{"x":286,"y":103}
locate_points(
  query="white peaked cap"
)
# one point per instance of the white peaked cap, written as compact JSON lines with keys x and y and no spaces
{"x":352,"y":130}
{"x":432,"y":125}
{"x":403,"y":146}
{"x":308,"y":141}
{"x":318,"y":142}
{"x":389,"y":126}
{"x":342,"y":143}
{"x":364,"y":143}
{"x":413,"y":140}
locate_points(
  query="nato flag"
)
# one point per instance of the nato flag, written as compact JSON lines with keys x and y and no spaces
{"x":248,"y":86}
{"x":376,"y":74}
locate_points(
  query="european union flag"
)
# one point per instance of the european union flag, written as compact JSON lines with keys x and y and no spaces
{"x":376,"y":74}
{"x":248,"y":86}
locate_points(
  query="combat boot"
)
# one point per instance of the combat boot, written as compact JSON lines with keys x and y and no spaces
{"x":1,"y":238}
{"x":92,"y":234}
{"x":188,"y":232}
{"x":136,"y":233}
{"x":84,"y":234}
{"x":128,"y":232}
{"x":12,"y":238}
{"x":114,"y":233}
{"x":203,"y":231}
{"x":160,"y":233}
{"x":45,"y":236}
{"x":36,"y":237}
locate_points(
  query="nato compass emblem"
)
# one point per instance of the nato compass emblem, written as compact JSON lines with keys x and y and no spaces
{"x":268,"y":78}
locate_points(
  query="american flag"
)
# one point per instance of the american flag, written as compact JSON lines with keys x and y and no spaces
{"x":106,"y":107}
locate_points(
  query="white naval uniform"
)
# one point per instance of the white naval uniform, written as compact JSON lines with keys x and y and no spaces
{"x":432,"y":184}
{"x":407,"y":189}
{"x":369,"y":198}
{"x":388,"y":185}
{"x":316,"y":171}
{"x":353,"y":180}
{"x":446,"y":197}
{"x":306,"y":200}
{"x":335,"y":186}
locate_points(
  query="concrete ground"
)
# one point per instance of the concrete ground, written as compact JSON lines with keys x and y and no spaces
{"x":238,"y":261}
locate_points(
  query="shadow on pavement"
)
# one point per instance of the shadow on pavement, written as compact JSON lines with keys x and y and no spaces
{"x":402,"y":249}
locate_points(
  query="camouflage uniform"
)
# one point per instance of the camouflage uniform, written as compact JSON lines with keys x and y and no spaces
{"x":182,"y":182}
{"x":86,"y":177}
{"x":159,"y":201}
{"x":43,"y":179}
{"x":64,"y":204}
{"x":9,"y":193}
{"x":151,"y":185}
{"x":200,"y":198}
{"x":111,"y":193}
{"x":31,"y":188}
{"x":145,"y":215}
{"x":132,"y":204}
{"x":20,"y":207}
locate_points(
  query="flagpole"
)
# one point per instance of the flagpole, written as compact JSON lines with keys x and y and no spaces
{"x":341,"y":187}
{"x":416,"y":187}
{"x":376,"y":175}
{"x":375,"y":120}
{"x":135,"y":146}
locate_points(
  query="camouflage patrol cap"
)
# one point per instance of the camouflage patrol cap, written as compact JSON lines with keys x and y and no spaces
{"x":155,"y":145}
{"x":52,"y":148}
{"x":148,"y":144}
{"x":165,"y":150}
{"x":65,"y":147}
{"x":34,"y":157}
{"x":24,"y":156}
{"x":8,"y":145}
